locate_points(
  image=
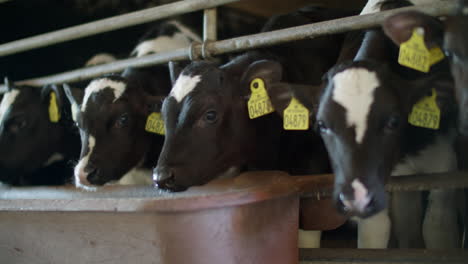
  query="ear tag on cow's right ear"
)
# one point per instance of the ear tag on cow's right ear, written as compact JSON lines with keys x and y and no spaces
{"x":426,"y":112}
{"x":414,"y":53}
{"x":54,"y":114}
{"x":155,"y":124}
{"x":295,"y":116}
{"x":259,"y":103}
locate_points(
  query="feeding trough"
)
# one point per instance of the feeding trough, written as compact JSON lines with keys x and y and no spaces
{"x":252,"y":218}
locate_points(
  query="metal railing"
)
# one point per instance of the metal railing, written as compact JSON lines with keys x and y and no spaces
{"x":196,"y":50}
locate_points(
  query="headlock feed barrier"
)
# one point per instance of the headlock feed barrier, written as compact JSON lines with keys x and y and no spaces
{"x":19,"y":207}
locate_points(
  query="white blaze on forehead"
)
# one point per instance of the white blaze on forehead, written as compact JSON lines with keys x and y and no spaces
{"x":372,"y":6}
{"x":354,"y":90}
{"x":118,"y":88}
{"x":181,"y":39}
{"x":7,"y":101}
{"x":183,"y":86}
{"x":161,"y":44}
{"x":81,"y":176}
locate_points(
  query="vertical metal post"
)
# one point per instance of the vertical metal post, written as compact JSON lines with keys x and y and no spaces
{"x":210,"y":25}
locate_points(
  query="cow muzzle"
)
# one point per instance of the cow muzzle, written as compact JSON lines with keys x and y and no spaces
{"x":164,"y":178}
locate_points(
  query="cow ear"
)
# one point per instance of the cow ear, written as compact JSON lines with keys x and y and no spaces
{"x":75,"y":97}
{"x":175,"y":68}
{"x":281,"y":95}
{"x":153,"y":104}
{"x":53,"y":96}
{"x":399,"y":27}
{"x":442,"y":83}
{"x":267,"y":70}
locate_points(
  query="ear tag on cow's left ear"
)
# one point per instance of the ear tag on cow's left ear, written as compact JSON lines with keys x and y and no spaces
{"x":436,"y":55}
{"x":295,"y":116}
{"x":414,"y":53}
{"x":54,"y":114}
{"x":426,"y":112}
{"x":155,"y":124}
{"x":259,"y":103}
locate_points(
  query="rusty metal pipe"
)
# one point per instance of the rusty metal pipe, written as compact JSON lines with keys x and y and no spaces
{"x":243,"y":43}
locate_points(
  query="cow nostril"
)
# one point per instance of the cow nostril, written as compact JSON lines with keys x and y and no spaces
{"x":93,"y":176}
{"x":163,"y":178}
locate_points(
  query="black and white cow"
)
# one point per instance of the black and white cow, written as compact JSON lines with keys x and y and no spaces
{"x":33,"y":149}
{"x":449,"y":34}
{"x":208,"y":130}
{"x":362,"y":116}
{"x":113,"y":111}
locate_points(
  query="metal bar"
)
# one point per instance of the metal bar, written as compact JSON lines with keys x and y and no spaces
{"x":322,"y":187}
{"x":244,"y":43}
{"x":382,"y":256}
{"x":109,"y":24}
{"x":210,"y":20}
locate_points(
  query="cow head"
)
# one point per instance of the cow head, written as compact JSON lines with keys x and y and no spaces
{"x":111,"y":117}
{"x":208,"y":130}
{"x":362,"y":117}
{"x":450,"y":35}
{"x":27,"y":136}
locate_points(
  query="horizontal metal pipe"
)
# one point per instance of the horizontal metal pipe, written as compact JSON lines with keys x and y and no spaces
{"x":109,"y":24}
{"x":244,"y":43}
{"x":420,"y":182}
{"x":382,"y":256}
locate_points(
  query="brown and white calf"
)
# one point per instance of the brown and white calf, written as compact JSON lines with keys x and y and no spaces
{"x":33,"y":149}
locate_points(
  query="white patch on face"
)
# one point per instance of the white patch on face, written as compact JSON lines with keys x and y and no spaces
{"x":435,"y":158}
{"x":354,"y":90}
{"x":360,"y":194}
{"x":118,"y":88}
{"x":7,"y":101}
{"x":372,"y":6}
{"x":101,"y":58}
{"x":75,"y":110}
{"x":81,"y":176}
{"x":54,"y":158}
{"x":183,"y":86}
{"x":161,"y":44}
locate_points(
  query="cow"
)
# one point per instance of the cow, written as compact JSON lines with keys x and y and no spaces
{"x":208,"y":130}
{"x":361,"y":114}
{"x":448,"y":34}
{"x":36,"y":146}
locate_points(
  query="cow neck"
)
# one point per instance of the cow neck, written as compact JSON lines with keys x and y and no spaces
{"x":70,"y":143}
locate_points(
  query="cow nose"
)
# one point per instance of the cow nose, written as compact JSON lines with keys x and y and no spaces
{"x":93,"y":176}
{"x":356,"y":205}
{"x":163,"y":177}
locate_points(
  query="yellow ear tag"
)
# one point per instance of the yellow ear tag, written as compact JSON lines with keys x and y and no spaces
{"x":414,"y":53}
{"x":436,"y":55}
{"x":155,"y":124}
{"x":259,"y":103}
{"x":295,"y":116}
{"x":54,"y":114}
{"x":426,"y":112}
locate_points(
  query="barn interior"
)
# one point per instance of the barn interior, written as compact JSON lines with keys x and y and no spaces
{"x":252,"y":218}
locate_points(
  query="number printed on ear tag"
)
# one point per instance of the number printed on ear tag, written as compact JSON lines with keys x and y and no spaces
{"x":426,"y":112}
{"x":155,"y":124}
{"x":414,"y":53}
{"x":259,"y":103}
{"x":295,"y":116}
{"x":54,"y":114}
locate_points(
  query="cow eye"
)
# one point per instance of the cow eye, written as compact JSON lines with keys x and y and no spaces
{"x":322,"y":128}
{"x":17,"y":125}
{"x":393,"y":123}
{"x":211,"y":116}
{"x":122,"y":121}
